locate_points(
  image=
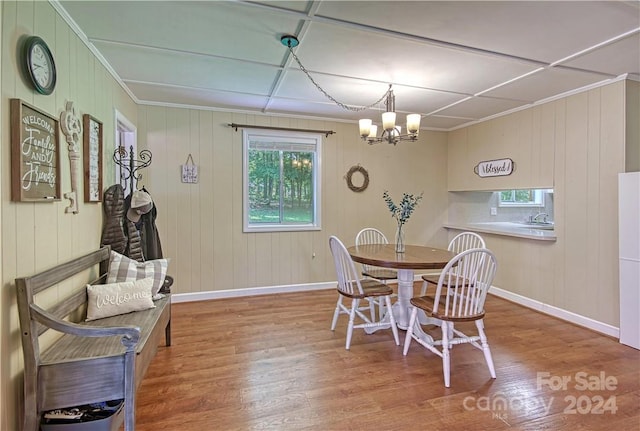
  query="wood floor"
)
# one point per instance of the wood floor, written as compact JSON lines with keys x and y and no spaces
{"x":272,"y":363}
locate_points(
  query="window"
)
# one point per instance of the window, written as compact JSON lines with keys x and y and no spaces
{"x":521,"y":198}
{"x":281,"y":189}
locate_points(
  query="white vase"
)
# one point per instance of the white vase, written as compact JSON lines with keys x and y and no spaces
{"x":400,"y":239}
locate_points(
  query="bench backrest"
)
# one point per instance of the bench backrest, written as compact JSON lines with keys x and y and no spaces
{"x":28,"y":287}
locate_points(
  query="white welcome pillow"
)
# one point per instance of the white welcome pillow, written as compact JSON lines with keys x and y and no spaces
{"x":105,"y":300}
{"x":122,"y":268}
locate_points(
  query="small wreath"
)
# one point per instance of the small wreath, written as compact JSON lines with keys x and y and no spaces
{"x":349,"y":176}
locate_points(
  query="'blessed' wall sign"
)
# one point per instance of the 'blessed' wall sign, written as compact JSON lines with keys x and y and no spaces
{"x":494,"y":168}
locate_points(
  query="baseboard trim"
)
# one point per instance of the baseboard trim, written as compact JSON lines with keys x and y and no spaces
{"x":249,"y":291}
{"x":501,"y":293}
{"x":560,"y":313}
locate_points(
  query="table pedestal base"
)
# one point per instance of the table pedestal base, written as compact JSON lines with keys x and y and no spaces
{"x":402,"y":309}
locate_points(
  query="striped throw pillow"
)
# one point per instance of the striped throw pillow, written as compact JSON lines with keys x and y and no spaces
{"x":122,"y":268}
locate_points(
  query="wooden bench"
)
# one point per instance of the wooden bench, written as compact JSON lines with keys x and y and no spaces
{"x":94,"y":361}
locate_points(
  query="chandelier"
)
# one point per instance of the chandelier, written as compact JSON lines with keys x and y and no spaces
{"x":391,"y":133}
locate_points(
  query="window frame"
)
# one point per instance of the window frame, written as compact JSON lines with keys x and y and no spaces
{"x":288,"y":138}
{"x":538,"y":196}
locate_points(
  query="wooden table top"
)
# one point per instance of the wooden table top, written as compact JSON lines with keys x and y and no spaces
{"x":414,"y":257}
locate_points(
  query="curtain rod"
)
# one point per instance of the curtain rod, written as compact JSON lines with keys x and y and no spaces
{"x":326,"y":133}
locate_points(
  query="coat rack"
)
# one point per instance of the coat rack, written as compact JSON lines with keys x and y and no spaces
{"x":131,"y":169}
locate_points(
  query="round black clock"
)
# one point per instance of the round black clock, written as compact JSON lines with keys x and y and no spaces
{"x":41,"y":69}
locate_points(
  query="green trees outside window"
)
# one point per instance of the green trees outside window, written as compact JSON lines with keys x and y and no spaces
{"x":517,"y":196}
{"x":280,"y":186}
{"x":521,"y":198}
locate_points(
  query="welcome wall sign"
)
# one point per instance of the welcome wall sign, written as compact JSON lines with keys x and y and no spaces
{"x":494,"y":168}
{"x":35,"y":156}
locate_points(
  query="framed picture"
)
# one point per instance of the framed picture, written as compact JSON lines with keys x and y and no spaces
{"x":92,"y":159}
{"x":35,"y":154}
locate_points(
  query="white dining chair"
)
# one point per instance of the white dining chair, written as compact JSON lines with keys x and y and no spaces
{"x":461,"y":242}
{"x":371,"y":235}
{"x":350,"y":285}
{"x":460,"y":295}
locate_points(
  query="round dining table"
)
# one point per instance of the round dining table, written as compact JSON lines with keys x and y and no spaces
{"x":415,"y":257}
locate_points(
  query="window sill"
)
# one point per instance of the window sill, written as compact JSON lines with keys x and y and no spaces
{"x":282,"y":228}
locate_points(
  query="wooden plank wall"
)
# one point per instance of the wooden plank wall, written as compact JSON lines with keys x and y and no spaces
{"x":578,"y":272}
{"x":201,"y":224}
{"x":36,"y":236}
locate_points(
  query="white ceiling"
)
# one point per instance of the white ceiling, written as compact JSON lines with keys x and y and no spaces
{"x":454,"y":62}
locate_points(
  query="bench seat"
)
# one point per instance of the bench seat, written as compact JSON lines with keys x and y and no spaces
{"x":99,"y":360}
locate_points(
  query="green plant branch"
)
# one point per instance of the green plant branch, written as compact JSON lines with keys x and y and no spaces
{"x":405,"y":208}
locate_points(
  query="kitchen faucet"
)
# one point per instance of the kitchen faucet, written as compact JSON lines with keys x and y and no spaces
{"x":543,"y":215}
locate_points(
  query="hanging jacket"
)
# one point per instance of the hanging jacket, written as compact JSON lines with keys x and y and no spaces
{"x":151,"y":247}
{"x":112,"y":228}
{"x":134,"y":245}
{"x":118,"y":232}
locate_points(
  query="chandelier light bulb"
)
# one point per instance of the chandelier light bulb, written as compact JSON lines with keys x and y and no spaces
{"x":365,"y":127}
{"x":388,"y":121}
{"x":413,"y":123}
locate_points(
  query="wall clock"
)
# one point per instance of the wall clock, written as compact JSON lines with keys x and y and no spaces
{"x":41,"y":69}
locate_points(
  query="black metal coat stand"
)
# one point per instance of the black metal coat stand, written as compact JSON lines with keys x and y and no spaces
{"x":131,"y":165}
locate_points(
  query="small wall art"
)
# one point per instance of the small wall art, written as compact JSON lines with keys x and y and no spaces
{"x":189,"y":171}
{"x":494,"y":168}
{"x":35,"y":154}
{"x":92,"y":159}
{"x":72,"y":129}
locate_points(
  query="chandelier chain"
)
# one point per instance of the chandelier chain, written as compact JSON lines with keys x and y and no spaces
{"x":340,"y":104}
